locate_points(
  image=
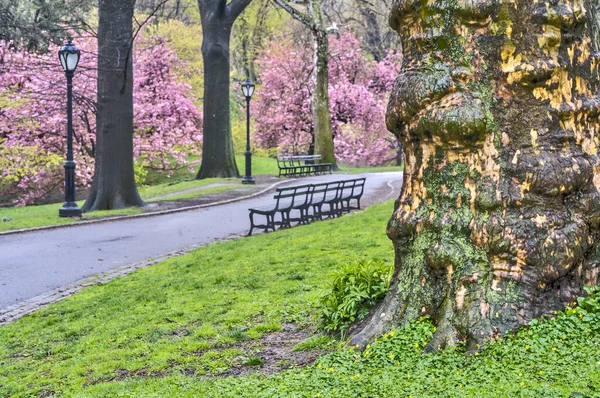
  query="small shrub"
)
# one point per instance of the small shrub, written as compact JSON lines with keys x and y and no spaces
{"x":356,"y":287}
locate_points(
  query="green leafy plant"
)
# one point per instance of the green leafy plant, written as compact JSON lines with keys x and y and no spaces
{"x":356,"y":287}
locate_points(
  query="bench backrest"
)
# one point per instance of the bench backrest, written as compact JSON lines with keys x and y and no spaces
{"x":298,"y":160}
{"x":353,"y":188}
{"x":322,"y":190}
{"x":290,"y":197}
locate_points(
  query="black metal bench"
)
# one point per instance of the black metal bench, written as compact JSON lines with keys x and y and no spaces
{"x":302,"y":165}
{"x":305,"y":203}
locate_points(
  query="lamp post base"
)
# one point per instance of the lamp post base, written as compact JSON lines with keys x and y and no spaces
{"x":69,"y":209}
{"x":248,"y":180}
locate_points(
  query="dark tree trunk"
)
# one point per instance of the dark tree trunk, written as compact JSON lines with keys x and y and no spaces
{"x":498,"y":219}
{"x":372,"y":32}
{"x":113,"y":186}
{"x":218,"y":158}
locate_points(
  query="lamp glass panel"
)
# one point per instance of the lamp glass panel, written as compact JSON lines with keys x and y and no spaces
{"x":63,"y":61}
{"x":72,"y":61}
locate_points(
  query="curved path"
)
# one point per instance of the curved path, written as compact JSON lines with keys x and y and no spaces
{"x":38,"y":267}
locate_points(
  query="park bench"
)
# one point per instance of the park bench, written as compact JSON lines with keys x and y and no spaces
{"x":302,"y":165}
{"x":305,"y":203}
{"x":286,"y":200}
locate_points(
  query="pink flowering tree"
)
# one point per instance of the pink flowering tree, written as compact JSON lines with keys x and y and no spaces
{"x":33,"y":116}
{"x":358,"y":91}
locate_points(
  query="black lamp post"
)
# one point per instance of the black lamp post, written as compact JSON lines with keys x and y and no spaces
{"x":248,"y":89}
{"x":69,"y":58}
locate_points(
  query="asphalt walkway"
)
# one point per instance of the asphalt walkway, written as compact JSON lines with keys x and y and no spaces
{"x":39,"y":267}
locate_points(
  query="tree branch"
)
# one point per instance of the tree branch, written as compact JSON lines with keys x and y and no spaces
{"x":236,"y":7}
{"x":297,"y":15}
{"x":222,"y":7}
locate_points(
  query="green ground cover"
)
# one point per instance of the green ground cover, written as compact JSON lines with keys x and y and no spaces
{"x":170,"y":330}
{"x":188,"y":315}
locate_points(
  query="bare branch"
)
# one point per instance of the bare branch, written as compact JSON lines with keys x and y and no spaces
{"x":297,"y":15}
{"x":236,"y":7}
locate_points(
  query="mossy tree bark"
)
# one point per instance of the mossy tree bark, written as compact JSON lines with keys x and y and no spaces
{"x":113,"y":186}
{"x":218,"y":157}
{"x":498,"y":219}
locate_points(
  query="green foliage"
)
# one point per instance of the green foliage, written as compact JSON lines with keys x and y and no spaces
{"x":32,"y":160}
{"x":187,"y":41}
{"x":139,"y":173}
{"x":552,"y":358}
{"x":356,"y":287}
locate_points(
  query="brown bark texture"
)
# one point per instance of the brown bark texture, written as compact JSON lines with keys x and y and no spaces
{"x":218,"y":158}
{"x":497,"y":108}
{"x":113,"y":186}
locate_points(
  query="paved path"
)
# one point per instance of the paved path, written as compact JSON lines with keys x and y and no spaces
{"x":35,"y":263}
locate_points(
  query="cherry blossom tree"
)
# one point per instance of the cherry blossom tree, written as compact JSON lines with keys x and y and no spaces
{"x":167,"y":124}
{"x":357,"y":92}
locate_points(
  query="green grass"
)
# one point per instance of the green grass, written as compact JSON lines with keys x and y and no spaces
{"x":45,"y":215}
{"x":149,"y":192}
{"x":260,"y":166}
{"x":195,"y":194}
{"x":552,"y":359}
{"x":185,"y":315}
{"x":38,"y":216}
{"x":171,"y":329}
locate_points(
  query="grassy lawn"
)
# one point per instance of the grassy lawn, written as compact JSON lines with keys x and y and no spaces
{"x":44,"y":215}
{"x":188,"y":315}
{"x":260,"y":166}
{"x":172,"y":329}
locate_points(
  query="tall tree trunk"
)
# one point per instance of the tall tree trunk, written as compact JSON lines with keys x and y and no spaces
{"x":320,"y":99}
{"x":498,"y":219}
{"x":218,"y":158}
{"x":372,"y":31}
{"x":323,"y":137}
{"x":113,"y":186}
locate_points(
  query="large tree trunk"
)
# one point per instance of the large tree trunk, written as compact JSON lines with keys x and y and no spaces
{"x":218,"y":158}
{"x":320,"y":99}
{"x":498,"y":218}
{"x":113,"y":186}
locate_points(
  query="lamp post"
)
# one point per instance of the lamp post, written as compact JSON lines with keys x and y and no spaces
{"x":69,"y":58}
{"x":248,"y":90}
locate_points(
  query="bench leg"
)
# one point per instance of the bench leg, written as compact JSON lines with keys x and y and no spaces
{"x":251,"y":224}
{"x":270,"y":222}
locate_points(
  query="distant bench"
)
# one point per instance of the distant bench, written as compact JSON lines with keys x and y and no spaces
{"x":302,"y":165}
{"x":306,"y":203}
